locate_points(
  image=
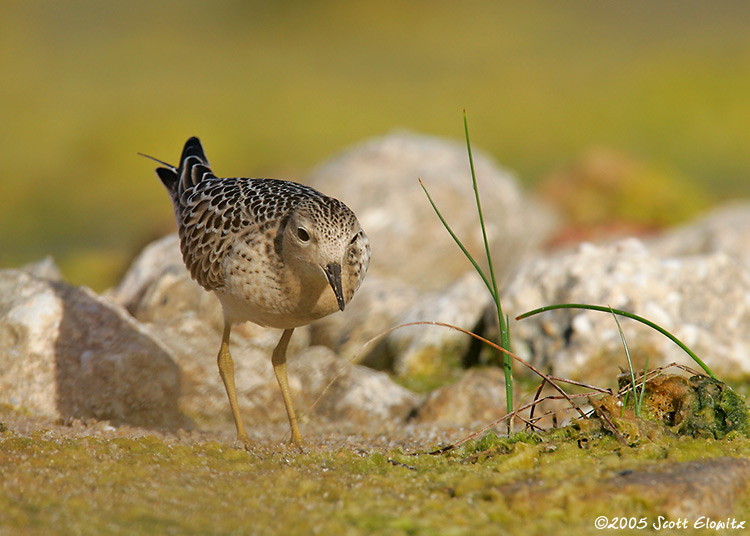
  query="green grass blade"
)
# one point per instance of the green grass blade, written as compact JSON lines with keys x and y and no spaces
{"x":626,"y":314}
{"x":639,"y":400}
{"x":630,"y":362}
{"x":481,"y":224}
{"x":458,"y":242}
{"x":501,"y":318}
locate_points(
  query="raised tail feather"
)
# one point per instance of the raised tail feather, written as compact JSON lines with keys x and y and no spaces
{"x":193,"y":168}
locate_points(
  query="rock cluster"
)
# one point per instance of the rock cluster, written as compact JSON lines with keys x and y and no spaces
{"x":704,"y":300}
{"x":144,"y":352}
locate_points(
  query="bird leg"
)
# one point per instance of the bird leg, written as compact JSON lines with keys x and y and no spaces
{"x":226,"y":371}
{"x":279,"y":367}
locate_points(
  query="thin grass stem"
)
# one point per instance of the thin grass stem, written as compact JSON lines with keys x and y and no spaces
{"x":502,"y":320}
{"x":626,"y":314}
{"x":630,"y":362}
{"x":458,"y":241}
{"x":493,"y":290}
{"x":639,"y":400}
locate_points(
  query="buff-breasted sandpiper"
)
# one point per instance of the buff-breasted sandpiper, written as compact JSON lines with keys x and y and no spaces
{"x":274,"y":252}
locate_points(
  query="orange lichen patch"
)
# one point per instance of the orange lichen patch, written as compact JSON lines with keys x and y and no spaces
{"x":698,"y":406}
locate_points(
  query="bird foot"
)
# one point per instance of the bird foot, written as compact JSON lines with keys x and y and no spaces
{"x":299,"y":444}
{"x":245,"y":443}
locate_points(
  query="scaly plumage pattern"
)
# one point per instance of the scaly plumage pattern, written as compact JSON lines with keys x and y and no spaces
{"x":275,"y":252}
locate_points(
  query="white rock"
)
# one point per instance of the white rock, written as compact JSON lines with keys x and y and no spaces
{"x":477,"y":398}
{"x":67,"y":353}
{"x":725,"y":229}
{"x":703,"y":300}
{"x":424,"y":349}
{"x":378,"y":179}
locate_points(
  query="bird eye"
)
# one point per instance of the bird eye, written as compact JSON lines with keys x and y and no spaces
{"x":302,"y":234}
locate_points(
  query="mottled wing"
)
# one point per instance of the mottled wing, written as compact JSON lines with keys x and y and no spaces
{"x":217,"y":213}
{"x":211,"y":215}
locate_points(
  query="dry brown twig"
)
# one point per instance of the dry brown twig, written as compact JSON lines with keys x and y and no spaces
{"x":546,"y":379}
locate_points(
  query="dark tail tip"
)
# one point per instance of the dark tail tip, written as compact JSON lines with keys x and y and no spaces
{"x":169,"y":178}
{"x":193,"y":147}
{"x":194,"y":166}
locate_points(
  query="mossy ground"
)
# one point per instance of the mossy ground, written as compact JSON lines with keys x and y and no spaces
{"x":98,"y":480}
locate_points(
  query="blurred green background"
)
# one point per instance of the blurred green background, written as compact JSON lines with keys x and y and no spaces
{"x":273,"y":88}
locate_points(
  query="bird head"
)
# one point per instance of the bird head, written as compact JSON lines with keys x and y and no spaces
{"x":317,"y":238}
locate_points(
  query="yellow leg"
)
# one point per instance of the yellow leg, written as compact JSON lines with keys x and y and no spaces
{"x":226,"y":371}
{"x":279,"y":367}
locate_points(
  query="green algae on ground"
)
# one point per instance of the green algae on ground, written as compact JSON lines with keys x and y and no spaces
{"x":62,"y":482}
{"x":95,"y":486}
{"x":695,"y":406}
